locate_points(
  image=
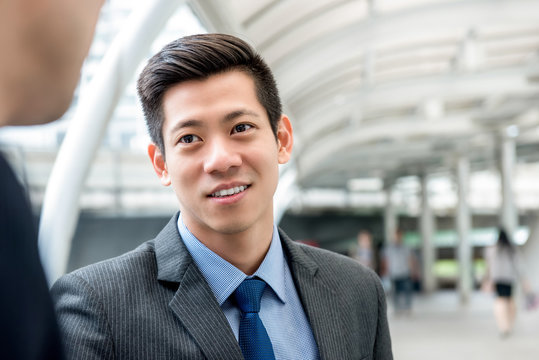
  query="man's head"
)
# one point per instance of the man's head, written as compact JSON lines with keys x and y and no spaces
{"x":198,"y":57}
{"x":44,"y":43}
{"x":212,"y":106}
{"x":364,"y":239}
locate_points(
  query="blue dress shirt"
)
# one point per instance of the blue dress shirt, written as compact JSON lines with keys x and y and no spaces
{"x":280,"y":308}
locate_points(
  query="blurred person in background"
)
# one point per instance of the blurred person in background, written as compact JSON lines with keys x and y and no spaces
{"x":503,"y":273}
{"x":363,"y":251}
{"x":43,"y":44}
{"x":399,"y":264}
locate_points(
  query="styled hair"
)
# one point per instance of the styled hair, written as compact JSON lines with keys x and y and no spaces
{"x":197,"y":57}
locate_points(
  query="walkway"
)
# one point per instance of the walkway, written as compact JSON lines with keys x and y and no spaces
{"x":440,"y":328}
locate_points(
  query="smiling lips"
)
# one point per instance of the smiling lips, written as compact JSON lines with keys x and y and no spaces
{"x":228,"y":192}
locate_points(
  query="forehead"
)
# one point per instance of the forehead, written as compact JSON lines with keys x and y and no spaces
{"x":225,"y":81}
{"x":216,"y":94}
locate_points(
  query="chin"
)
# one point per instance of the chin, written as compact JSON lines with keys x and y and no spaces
{"x":60,"y":107}
{"x":45,"y":111}
{"x":231,"y":228}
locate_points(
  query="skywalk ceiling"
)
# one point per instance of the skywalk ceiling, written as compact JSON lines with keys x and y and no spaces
{"x":387,"y":88}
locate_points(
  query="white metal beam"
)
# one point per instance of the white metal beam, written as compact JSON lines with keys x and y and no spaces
{"x":321,"y":116}
{"x":97,"y":101}
{"x":443,"y":19}
{"x":217,"y":17}
{"x":325,"y":148}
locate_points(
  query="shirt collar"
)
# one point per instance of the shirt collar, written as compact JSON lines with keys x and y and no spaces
{"x":224,"y":277}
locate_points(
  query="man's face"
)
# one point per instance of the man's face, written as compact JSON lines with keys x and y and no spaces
{"x":221,"y":154}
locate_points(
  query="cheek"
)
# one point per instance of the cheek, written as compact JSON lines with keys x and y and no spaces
{"x":263,"y":156}
{"x":180,"y":181}
{"x":267,"y":166}
{"x":186,"y":174}
{"x":177,"y":181}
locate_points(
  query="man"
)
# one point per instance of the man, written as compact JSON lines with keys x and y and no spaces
{"x":43,"y":45}
{"x":399,"y":264}
{"x":214,"y":116}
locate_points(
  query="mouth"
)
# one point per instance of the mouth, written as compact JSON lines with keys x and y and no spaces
{"x":229,"y":192}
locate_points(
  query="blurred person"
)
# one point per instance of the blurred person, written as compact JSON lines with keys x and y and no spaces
{"x":504,"y":271}
{"x":218,"y":135}
{"x":363,"y":250}
{"x":43,"y":45}
{"x":400,"y":265}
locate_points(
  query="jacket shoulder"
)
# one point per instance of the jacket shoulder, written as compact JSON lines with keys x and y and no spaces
{"x":338,"y":271}
{"x":138,"y":263}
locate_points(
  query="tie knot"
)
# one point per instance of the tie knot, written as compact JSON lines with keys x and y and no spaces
{"x":248,"y":295}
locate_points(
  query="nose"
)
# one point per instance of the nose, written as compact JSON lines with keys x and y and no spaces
{"x":221,"y":156}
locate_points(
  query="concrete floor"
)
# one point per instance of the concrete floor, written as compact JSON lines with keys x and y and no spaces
{"x":441,"y":328}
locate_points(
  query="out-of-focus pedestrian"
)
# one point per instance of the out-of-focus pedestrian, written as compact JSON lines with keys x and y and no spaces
{"x":362,"y":251}
{"x":504,"y":271}
{"x":400,"y":265}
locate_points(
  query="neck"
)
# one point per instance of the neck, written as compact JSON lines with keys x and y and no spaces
{"x":244,"y":249}
{"x":245,"y":254}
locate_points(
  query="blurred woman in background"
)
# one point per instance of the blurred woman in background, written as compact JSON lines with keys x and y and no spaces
{"x":504,"y":270}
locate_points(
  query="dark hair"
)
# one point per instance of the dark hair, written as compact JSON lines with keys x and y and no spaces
{"x":503,"y":240}
{"x":198,"y":57}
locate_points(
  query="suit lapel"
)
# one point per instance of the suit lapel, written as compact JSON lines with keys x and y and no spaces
{"x":194,"y":302}
{"x":195,"y":305}
{"x":320,"y":302}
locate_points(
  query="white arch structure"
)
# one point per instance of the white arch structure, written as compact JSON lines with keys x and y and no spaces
{"x":97,"y":102}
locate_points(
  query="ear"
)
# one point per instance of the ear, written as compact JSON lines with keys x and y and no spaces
{"x":285,"y":139}
{"x":159,"y":164}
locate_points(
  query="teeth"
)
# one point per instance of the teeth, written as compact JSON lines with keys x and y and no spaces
{"x":227,"y":192}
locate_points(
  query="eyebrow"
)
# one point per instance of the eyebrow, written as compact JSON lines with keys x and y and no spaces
{"x":199,"y":123}
{"x":184,"y":124}
{"x":236,"y":114}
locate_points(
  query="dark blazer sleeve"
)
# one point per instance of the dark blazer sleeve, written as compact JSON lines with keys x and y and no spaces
{"x":82,"y":319}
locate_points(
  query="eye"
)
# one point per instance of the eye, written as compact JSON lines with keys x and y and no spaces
{"x":188,"y":139}
{"x":241,"y":128}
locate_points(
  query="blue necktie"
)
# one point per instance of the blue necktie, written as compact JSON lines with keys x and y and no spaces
{"x":254,"y":341}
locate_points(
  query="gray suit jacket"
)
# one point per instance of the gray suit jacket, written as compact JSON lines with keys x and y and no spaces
{"x":154,"y":303}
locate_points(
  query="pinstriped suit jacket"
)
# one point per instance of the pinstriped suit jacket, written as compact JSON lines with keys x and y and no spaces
{"x":153,"y":303}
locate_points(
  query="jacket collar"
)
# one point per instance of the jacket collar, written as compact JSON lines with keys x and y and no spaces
{"x":172,"y":256}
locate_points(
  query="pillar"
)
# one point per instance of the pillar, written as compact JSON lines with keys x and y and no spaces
{"x":508,"y":213}
{"x":427,"y":229}
{"x":463,"y":229}
{"x":390,"y":216}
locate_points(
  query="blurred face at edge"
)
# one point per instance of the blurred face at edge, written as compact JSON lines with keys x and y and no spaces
{"x":44,"y":44}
